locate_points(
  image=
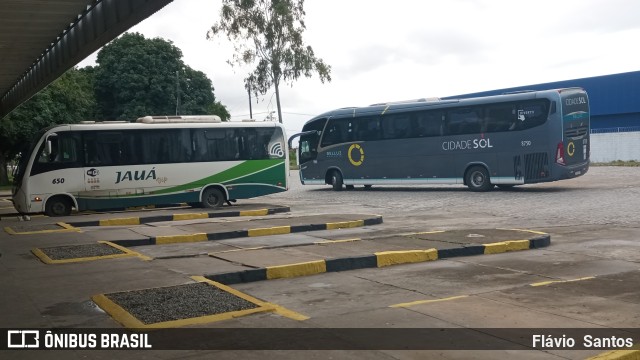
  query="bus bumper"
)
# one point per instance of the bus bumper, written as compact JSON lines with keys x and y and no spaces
{"x":575,"y":171}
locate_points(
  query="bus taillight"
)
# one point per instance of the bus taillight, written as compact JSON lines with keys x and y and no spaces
{"x":560,"y":154}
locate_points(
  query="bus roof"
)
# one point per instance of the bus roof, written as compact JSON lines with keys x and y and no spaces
{"x":120,"y":125}
{"x":420,"y":104}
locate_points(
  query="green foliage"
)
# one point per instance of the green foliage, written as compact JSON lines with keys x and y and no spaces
{"x":268,"y":33}
{"x":218,"y":109}
{"x":134,"y":77}
{"x":138,"y":76}
{"x":67,"y":100}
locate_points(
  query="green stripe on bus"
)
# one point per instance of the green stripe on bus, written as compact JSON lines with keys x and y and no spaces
{"x":241,"y":171}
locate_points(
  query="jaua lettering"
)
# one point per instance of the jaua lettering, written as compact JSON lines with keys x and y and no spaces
{"x":135,"y":175}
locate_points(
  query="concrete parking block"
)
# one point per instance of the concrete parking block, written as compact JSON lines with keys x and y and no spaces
{"x":444,"y":248}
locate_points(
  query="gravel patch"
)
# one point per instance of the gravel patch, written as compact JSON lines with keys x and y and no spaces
{"x":80,"y":251}
{"x":178,"y":302}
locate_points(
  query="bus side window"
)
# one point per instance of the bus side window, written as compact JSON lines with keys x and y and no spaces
{"x":396,"y":126}
{"x":91,"y":156}
{"x":333,"y":134}
{"x":367,"y":129}
{"x":199,"y":145}
{"x":64,"y":153}
{"x":64,"y":149}
{"x":425,"y":124}
{"x":464,"y":121}
{"x":533,"y":113}
{"x":501,"y":117}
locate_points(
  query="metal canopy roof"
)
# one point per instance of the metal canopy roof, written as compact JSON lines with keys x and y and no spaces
{"x":41,"y":39}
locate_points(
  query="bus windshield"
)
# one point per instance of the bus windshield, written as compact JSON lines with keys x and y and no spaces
{"x":23,"y":159}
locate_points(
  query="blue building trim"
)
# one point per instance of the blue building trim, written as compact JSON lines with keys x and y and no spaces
{"x":614,"y":99}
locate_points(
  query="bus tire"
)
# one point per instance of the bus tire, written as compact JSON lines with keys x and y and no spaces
{"x":212,"y":197}
{"x":336,"y":180}
{"x":478,"y":179}
{"x":58,"y":206}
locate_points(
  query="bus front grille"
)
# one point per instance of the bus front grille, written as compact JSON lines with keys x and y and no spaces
{"x":576,"y":132}
{"x":536,"y":166}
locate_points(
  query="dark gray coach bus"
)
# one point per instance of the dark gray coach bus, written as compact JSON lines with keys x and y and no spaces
{"x":504,"y":140}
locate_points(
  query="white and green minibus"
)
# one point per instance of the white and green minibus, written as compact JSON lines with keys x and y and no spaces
{"x":198,"y":160}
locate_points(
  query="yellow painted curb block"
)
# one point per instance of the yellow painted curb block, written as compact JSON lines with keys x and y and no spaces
{"x":345,"y":224}
{"x":174,"y":239}
{"x":504,"y":246}
{"x":277,"y":230}
{"x":191,"y":216}
{"x":295,"y":270}
{"x":260,"y":212}
{"x":388,"y":258}
{"x":120,"y":221}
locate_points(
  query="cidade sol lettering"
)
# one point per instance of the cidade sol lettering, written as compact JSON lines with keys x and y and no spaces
{"x":470,"y":144}
{"x":575,"y":101}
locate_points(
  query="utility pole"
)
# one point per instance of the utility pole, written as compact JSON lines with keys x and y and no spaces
{"x":177,"y":92}
{"x":249,"y":92}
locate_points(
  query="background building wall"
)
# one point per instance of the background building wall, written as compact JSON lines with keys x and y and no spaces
{"x":612,"y":146}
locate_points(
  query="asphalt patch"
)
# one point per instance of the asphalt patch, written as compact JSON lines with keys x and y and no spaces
{"x":80,"y":251}
{"x":178,"y":302}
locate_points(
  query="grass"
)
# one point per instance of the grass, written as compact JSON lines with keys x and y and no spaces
{"x":629,"y":163}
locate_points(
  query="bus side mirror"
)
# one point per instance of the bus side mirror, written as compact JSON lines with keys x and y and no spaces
{"x":310,"y":132}
{"x":49,"y":146}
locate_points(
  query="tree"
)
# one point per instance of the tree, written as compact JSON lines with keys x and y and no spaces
{"x":67,"y":100}
{"x":268,"y":33}
{"x":138,"y":76}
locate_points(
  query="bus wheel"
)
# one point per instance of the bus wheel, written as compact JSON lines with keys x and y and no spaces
{"x":58,"y":206}
{"x":478,"y":179}
{"x":212,"y":198}
{"x":336,"y":180}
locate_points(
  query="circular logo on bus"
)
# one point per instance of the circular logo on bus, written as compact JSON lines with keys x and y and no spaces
{"x":571,"y":148}
{"x":359,"y":155}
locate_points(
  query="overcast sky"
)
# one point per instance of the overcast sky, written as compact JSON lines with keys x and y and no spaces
{"x":407,"y":49}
